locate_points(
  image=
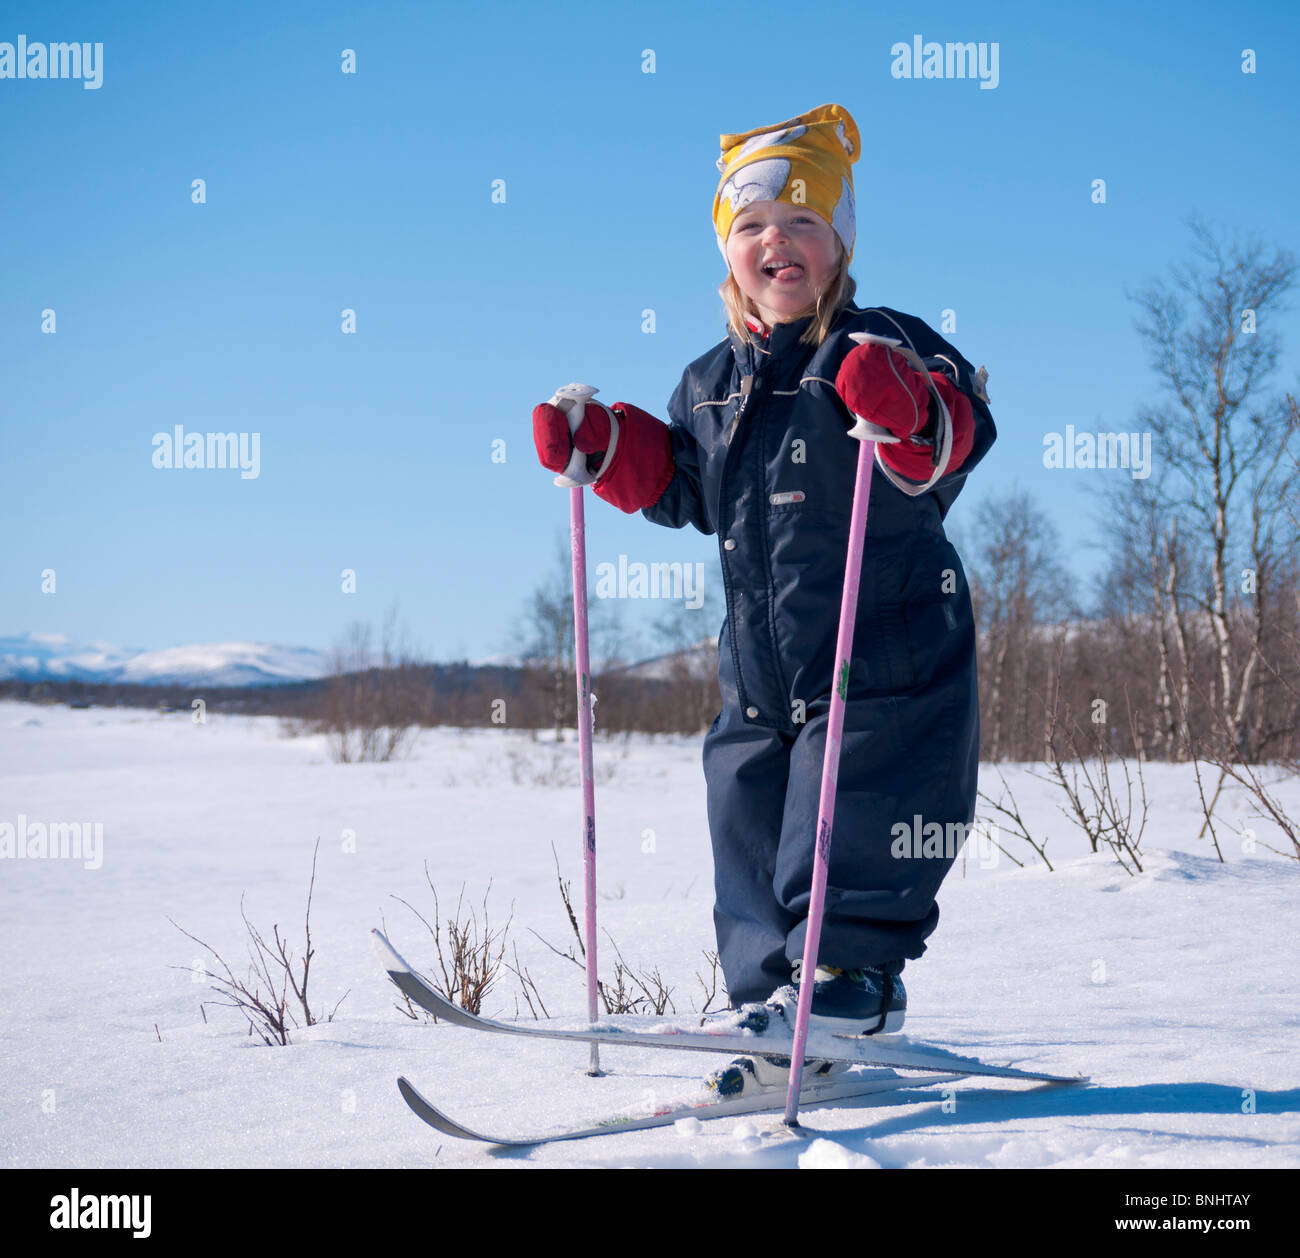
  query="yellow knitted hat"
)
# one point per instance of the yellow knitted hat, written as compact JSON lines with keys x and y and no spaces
{"x":805,"y":161}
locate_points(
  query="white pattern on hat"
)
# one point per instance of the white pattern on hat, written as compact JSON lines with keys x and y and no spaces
{"x":759,"y":181}
{"x":764,"y":180}
{"x":767,"y":140}
{"x":845,"y":220}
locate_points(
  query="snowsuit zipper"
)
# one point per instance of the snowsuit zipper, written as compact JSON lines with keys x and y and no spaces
{"x":750,"y":385}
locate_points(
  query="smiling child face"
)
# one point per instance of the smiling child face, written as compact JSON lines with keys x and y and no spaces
{"x":767,"y":232}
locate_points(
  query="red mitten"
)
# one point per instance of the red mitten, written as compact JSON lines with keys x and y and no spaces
{"x":642,"y":464}
{"x":876,"y":383}
{"x":879,"y":384}
{"x":554,"y":443}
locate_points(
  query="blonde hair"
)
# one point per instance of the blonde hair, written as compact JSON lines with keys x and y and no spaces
{"x":830,"y":300}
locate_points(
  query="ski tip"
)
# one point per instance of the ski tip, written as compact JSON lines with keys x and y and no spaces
{"x":415,"y":1102}
{"x":411,"y":1095}
{"x":388,"y":956}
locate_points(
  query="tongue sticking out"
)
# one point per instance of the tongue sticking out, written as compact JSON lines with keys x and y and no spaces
{"x":787,"y":273}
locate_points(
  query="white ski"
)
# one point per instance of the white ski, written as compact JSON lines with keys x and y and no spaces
{"x":874,"y":1050}
{"x":769,"y":1100}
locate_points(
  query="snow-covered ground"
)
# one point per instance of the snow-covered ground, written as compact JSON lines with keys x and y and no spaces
{"x":1175,"y":989}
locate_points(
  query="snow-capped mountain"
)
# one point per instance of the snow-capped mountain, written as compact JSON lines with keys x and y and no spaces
{"x":700,"y":659}
{"x":55,"y":657}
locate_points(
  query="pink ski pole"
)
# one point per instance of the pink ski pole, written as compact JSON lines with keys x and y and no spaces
{"x":867,"y":434}
{"x":572,"y":400}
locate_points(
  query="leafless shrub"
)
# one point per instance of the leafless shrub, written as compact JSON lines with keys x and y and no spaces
{"x":263,"y":997}
{"x":632,"y":991}
{"x":711,"y":987}
{"x":1107,"y":812}
{"x":1007,"y":808}
{"x":1222,"y":749}
{"x":532,"y":997}
{"x":469,"y":953}
{"x":1208,"y":807}
{"x":372,"y":703}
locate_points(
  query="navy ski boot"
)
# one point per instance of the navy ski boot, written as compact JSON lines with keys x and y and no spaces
{"x":865,"y":1001}
{"x":745,"y":1076}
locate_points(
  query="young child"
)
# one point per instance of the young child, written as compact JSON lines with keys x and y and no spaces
{"x":757,"y":453}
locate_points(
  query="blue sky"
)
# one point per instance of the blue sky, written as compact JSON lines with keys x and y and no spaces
{"x":373,"y":192}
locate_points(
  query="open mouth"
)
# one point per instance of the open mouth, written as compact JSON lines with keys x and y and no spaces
{"x":783,"y":269}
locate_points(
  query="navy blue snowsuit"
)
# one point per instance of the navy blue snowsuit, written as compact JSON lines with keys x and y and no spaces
{"x":763,"y":459}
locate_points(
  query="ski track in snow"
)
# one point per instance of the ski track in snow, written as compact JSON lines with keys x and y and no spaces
{"x":1174,"y":989}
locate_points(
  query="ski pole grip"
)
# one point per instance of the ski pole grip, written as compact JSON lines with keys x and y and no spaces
{"x":864,"y":430}
{"x":572,"y":399}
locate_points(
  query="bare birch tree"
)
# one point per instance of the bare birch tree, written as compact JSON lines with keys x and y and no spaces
{"x":545,"y":634}
{"x":1021,"y":591}
{"x":1214,"y":530}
